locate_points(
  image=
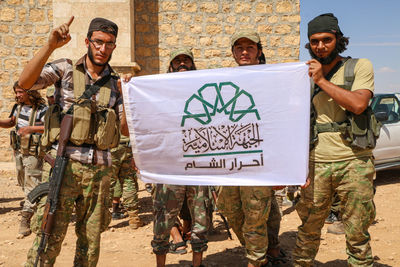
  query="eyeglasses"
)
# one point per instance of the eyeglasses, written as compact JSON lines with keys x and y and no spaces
{"x":325,"y":41}
{"x":99,"y":43}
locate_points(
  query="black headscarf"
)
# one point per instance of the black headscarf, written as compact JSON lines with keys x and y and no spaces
{"x":324,"y":23}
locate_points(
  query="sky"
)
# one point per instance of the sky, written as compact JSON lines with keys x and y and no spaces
{"x":374,"y":30}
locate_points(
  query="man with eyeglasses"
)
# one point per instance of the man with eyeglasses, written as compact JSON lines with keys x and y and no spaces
{"x":337,"y":164}
{"x":85,"y":185}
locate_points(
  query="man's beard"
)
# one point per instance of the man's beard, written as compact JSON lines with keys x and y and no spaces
{"x":172,"y":69}
{"x":325,"y":60}
{"x":90,"y":55}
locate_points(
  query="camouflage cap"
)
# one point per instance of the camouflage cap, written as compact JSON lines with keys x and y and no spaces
{"x":181,"y":51}
{"x":50,"y":91}
{"x":249,"y":34}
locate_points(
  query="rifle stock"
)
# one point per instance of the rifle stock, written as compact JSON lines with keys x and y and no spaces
{"x":55,"y":182}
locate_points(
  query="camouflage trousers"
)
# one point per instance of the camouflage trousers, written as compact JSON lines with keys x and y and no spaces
{"x":168,"y":201}
{"x":352,"y":180}
{"x":85,"y":187}
{"x":29,"y":173}
{"x":253,"y":214}
{"x":124,"y":180}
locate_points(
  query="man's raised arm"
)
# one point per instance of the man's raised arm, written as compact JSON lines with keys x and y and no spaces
{"x":58,"y":38}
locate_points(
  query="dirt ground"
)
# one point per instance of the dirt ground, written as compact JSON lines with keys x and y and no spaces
{"x":121,"y":246}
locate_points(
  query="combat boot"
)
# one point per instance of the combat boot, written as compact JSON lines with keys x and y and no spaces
{"x":24,"y":227}
{"x":337,"y":228}
{"x":134,"y":220}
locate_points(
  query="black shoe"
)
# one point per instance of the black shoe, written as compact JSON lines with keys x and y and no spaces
{"x":118,"y":216}
{"x":331,"y":218}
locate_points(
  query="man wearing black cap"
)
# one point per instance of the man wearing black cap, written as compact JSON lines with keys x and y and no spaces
{"x":85,"y":185}
{"x":338,"y":161}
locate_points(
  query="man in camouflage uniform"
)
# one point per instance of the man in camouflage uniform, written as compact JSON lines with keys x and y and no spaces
{"x":125,"y":179}
{"x":168,"y":199}
{"x":335,"y":166}
{"x":86,"y":181}
{"x":27,"y":117}
{"x":252,"y":211}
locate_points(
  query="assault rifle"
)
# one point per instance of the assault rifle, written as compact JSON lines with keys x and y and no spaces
{"x":55,"y":182}
{"x":214,"y":195}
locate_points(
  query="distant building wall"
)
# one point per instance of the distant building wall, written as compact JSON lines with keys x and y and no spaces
{"x":149,"y":31}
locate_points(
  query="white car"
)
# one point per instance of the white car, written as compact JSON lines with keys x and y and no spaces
{"x":387,"y":151}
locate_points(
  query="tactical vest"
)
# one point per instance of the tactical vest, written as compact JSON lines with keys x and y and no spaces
{"x":93,"y":122}
{"x":27,"y":144}
{"x":361,"y":131}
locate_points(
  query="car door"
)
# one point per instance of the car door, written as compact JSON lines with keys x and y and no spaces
{"x":388,"y":145}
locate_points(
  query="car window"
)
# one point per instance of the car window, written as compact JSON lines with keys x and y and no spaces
{"x":390,"y":105}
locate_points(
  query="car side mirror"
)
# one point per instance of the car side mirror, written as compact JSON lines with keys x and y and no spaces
{"x":381,"y":116}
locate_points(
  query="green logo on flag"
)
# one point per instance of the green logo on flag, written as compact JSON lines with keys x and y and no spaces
{"x":219,"y":98}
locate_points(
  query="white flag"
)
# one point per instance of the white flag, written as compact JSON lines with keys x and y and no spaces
{"x":231,"y":126}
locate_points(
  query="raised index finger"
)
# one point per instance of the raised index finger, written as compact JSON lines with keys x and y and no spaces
{"x":70,"y":20}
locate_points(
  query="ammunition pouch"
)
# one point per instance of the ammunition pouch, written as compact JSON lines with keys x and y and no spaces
{"x":361,"y":131}
{"x":107,"y":134}
{"x":14,"y":140}
{"x":52,"y":120}
{"x":84,"y":122}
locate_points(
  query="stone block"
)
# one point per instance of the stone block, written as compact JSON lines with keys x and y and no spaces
{"x":284,"y":7}
{"x":284,"y":51}
{"x":9,"y":40}
{"x":150,"y":39}
{"x":189,"y":41}
{"x":231,"y":19}
{"x":50,"y":15}
{"x":21,"y":52}
{"x":226,"y":7}
{"x":179,"y":28}
{"x":165,"y":28}
{"x":264,"y":29}
{"x":291,"y":18}
{"x":172,"y":40}
{"x":23,"y":29}
{"x":189,"y":7}
{"x":41,"y":41}
{"x":211,"y":53}
{"x":244,"y":19}
{"x":15,"y":2}
{"x":7,"y":14}
{"x":242,"y":7}
{"x":143,"y":51}
{"x":4,"y":28}
{"x":264,"y":8}
{"x":230,"y":30}
{"x":36,"y":15}
{"x":26,"y":41}
{"x":283,"y":29}
{"x":142,"y":27}
{"x":40,"y":29}
{"x":213,"y":29}
{"x":10,"y":64}
{"x":4,"y":51}
{"x":273,"y":19}
{"x":292,"y":40}
{"x":4,"y":77}
{"x":169,"y":6}
{"x":196,"y":29}
{"x":209,"y":7}
{"x":22,"y":15}
{"x":186,"y":18}
{"x":275,"y":41}
{"x":212,"y":19}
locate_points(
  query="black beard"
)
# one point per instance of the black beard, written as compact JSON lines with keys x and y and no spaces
{"x":172,"y":69}
{"x":90,"y":55}
{"x":325,"y":60}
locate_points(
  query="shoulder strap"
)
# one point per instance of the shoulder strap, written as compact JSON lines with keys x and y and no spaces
{"x":18,"y":112}
{"x":349,"y":76}
{"x":32,"y":118}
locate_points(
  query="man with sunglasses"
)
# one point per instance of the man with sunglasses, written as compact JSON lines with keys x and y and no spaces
{"x":85,"y":185}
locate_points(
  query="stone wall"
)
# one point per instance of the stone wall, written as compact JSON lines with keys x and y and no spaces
{"x":24,"y":28}
{"x":206,"y":26}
